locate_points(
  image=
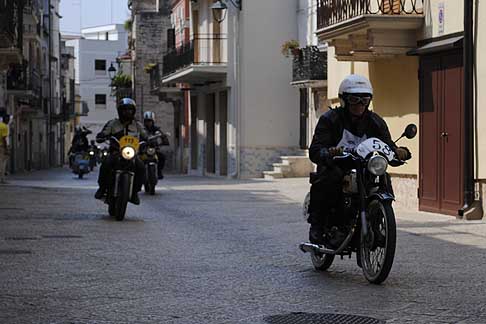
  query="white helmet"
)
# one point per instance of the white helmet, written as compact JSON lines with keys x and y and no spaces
{"x":149,"y":115}
{"x":355,"y":83}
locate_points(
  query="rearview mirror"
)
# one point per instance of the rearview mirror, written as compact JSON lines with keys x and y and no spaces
{"x":411,"y":131}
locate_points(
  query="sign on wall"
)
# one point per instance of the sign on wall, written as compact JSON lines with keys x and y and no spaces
{"x":441,"y":18}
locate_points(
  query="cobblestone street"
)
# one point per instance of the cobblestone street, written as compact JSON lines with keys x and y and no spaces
{"x":207,"y":250}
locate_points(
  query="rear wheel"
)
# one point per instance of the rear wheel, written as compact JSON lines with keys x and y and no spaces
{"x":121,"y":202}
{"x":378,"y":248}
{"x":321,"y":261}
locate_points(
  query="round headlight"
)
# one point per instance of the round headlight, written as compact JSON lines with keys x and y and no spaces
{"x":105,"y":153}
{"x":150,"y":151}
{"x":91,"y":153}
{"x":128,"y":153}
{"x":377,"y":165}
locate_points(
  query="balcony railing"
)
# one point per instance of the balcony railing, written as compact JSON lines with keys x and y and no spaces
{"x":11,"y":23}
{"x":310,"y":64}
{"x":331,"y":12}
{"x":202,"y":50}
{"x":21,"y":77}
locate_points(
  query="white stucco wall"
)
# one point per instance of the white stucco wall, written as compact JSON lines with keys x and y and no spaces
{"x":91,"y":83}
{"x":269,"y":104}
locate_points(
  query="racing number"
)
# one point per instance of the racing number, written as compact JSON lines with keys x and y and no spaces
{"x":377,"y":145}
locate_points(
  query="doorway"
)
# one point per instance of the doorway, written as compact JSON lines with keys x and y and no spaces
{"x":441,"y":178}
{"x":210,"y":134}
{"x":304,"y":116}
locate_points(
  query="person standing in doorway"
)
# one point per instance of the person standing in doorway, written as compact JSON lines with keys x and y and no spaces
{"x":4,"y":147}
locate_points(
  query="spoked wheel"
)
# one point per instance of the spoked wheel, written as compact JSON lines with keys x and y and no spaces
{"x":378,"y":248}
{"x":321,"y":261}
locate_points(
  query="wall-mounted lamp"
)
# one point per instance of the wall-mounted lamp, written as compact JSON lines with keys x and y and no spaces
{"x":220,"y":8}
{"x":112,"y":71}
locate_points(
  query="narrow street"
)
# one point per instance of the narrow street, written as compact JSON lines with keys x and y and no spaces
{"x":214,"y":251}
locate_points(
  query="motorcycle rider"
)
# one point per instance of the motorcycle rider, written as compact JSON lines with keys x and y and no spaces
{"x":79,"y":143}
{"x":149,"y":123}
{"x":119,"y":127}
{"x":343,"y":127}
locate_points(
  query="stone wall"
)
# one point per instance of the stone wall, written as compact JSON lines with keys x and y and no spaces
{"x":151,"y":21}
{"x":405,"y":189}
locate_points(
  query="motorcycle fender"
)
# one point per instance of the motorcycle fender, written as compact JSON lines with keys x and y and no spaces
{"x":117,"y":184}
{"x":382,"y":196}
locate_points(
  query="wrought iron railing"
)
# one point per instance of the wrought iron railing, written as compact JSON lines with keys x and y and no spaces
{"x":22,"y":77}
{"x":11,"y":23}
{"x":331,"y":12}
{"x":310,"y":64}
{"x":203,"y":49}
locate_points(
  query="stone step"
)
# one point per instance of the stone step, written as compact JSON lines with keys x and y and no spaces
{"x":271,"y":175}
{"x":281,"y":167}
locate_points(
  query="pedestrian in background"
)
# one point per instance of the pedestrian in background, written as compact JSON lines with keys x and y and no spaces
{"x":4,"y":147}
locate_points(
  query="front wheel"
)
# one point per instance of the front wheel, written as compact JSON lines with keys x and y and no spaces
{"x":121,"y":202}
{"x":80,"y":175}
{"x":378,"y":248}
{"x":322,"y":262}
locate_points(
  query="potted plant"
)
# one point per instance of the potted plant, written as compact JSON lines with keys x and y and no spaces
{"x":121,"y":81}
{"x":149,"y":67}
{"x":290,"y":47}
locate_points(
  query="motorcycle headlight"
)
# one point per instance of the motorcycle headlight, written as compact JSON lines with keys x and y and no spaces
{"x":128,"y":153}
{"x":105,"y":153}
{"x":91,"y":153}
{"x":377,"y":165}
{"x":151,"y":151}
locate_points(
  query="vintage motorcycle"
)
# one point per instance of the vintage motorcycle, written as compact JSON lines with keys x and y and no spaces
{"x":120,"y":191}
{"x":80,"y":164}
{"x":364,"y":223}
{"x":92,"y":159}
{"x":149,"y":157}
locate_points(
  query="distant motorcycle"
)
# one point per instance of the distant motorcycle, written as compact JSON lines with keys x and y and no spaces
{"x":364,"y":223}
{"x":149,"y":157}
{"x":80,"y":164}
{"x":92,"y":159}
{"x":104,"y":152}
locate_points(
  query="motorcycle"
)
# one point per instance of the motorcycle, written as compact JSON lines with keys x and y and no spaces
{"x":103,"y":155}
{"x":364,"y":223}
{"x":150,"y":159}
{"x":92,"y":159}
{"x":80,"y":164}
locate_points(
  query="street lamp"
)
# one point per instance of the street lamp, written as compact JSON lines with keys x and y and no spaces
{"x":111,"y":71}
{"x":220,"y":8}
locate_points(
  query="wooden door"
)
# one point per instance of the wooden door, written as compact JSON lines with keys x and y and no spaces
{"x":304,"y":114}
{"x":441,"y":133}
{"x":210,"y":134}
{"x":216,"y":42}
{"x":196,"y":40}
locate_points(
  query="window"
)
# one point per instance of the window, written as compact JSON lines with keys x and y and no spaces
{"x":100,"y":100}
{"x":100,"y":67}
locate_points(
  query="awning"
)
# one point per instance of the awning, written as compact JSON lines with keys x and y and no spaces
{"x":438,"y":46}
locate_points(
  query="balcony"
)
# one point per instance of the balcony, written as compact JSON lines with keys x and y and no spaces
{"x":309,"y":68}
{"x":23,"y":81}
{"x":11,"y":25}
{"x":202,"y":61}
{"x":367,"y":30}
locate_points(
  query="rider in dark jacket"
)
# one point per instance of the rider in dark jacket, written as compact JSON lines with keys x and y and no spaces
{"x":341,"y":128}
{"x":152,"y":129}
{"x":119,"y":127}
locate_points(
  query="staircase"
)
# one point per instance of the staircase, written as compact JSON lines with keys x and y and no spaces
{"x":290,"y":167}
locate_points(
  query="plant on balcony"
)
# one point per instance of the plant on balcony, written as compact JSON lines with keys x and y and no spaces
{"x":128,"y":25}
{"x":121,"y":81}
{"x":290,"y":47}
{"x":149,"y":67}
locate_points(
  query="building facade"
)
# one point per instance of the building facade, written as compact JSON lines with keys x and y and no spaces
{"x":96,"y":51}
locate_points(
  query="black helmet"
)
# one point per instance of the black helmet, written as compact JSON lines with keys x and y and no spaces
{"x":126,"y":104}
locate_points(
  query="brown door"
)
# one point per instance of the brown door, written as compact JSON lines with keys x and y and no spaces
{"x":441,"y":129}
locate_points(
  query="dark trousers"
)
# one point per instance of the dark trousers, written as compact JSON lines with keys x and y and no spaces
{"x":108,"y":166}
{"x":326,"y":196}
{"x":161,"y":162}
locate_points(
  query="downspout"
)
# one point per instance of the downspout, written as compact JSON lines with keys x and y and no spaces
{"x":49,"y":106}
{"x":468,"y":107}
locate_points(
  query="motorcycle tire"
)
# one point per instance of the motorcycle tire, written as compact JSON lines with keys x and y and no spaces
{"x":382,"y":235}
{"x":322,"y":262}
{"x":80,"y":176}
{"x":121,"y":202}
{"x":151,"y":179}
{"x":111,"y":207}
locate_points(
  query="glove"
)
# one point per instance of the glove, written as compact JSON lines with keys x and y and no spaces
{"x":403,"y":153}
{"x":335,"y":151}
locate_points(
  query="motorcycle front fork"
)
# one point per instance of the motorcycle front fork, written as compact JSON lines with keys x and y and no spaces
{"x":116,"y":189}
{"x":362,"y":204}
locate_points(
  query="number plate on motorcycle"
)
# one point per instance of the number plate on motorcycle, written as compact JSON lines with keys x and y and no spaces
{"x":375,"y":145}
{"x":129,"y":141}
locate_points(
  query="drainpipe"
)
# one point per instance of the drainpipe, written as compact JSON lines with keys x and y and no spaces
{"x":468,"y":107}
